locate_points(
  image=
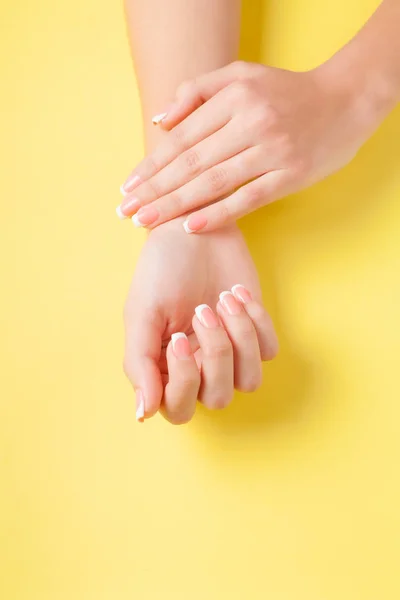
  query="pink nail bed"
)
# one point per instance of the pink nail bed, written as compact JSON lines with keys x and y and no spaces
{"x":206,"y":316}
{"x":180,"y":345}
{"x":130,"y":205}
{"x":145,"y":216}
{"x":230,"y":304}
{"x":194,"y":223}
{"x":130,"y":184}
{"x":241,"y":293}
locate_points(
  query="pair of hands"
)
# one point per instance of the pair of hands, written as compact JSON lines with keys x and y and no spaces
{"x":248,"y":134}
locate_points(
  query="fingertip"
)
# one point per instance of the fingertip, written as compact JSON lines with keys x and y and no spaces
{"x":195,"y":222}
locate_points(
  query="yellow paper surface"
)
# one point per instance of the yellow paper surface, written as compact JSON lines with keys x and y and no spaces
{"x":292,"y":493}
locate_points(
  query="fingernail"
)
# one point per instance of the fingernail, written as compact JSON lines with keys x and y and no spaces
{"x":119,"y":212}
{"x":139,"y":406}
{"x":127,"y":207}
{"x":230,"y":304}
{"x":241,"y":293}
{"x":145,"y":216}
{"x":206,"y":316}
{"x":158,"y":118}
{"x":180,"y":345}
{"x":194,"y":223}
{"x":130,"y":184}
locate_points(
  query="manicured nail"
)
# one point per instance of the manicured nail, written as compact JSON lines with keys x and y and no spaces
{"x":206,"y":316}
{"x":241,"y":293}
{"x":119,"y":212}
{"x":139,"y":406}
{"x":127,"y":207}
{"x":180,"y":345}
{"x":145,"y":216}
{"x":158,"y":118}
{"x":230,"y":304}
{"x":130,"y":184}
{"x":194,"y":223}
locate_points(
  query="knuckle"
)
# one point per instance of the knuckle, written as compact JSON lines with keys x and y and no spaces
{"x":152,"y":189}
{"x":217,"y":179}
{"x":262,"y":120}
{"x":186,"y":87}
{"x":301,"y":168}
{"x":152,"y":165}
{"x":217,"y":351}
{"x":269,"y":118}
{"x":247,"y":334}
{"x":252,"y":196}
{"x":240,"y":67}
{"x":178,"y":139}
{"x":192,"y":163}
{"x":223,"y":212}
{"x":175,"y":203}
{"x":239,"y":91}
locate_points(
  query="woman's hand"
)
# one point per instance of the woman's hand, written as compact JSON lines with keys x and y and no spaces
{"x":250,"y":134}
{"x":216,"y":351}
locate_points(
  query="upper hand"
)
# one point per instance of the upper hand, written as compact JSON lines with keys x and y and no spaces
{"x":248,"y":133}
{"x":174,"y":275}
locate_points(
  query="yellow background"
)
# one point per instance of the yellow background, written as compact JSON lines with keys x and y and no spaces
{"x":290,"y":494}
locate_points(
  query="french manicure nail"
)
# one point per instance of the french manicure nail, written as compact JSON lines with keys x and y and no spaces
{"x":127,"y":207}
{"x":194,"y":222}
{"x":139,"y":406}
{"x":145,"y":216}
{"x":230,"y":304}
{"x":119,"y":212}
{"x":158,"y":118}
{"x":130,"y":184}
{"x":241,"y":293}
{"x":180,"y":345}
{"x":206,"y":316}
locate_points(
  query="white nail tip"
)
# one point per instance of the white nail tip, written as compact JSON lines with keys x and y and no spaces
{"x":119,"y":212}
{"x":186,"y":227}
{"x":177,"y":336}
{"x":136,"y":221}
{"x":234,"y":288}
{"x":199,"y":309}
{"x":123,"y":192}
{"x":223,"y":294}
{"x":158,"y":118}
{"x":140,"y":411}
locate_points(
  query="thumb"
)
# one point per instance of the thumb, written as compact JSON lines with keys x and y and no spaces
{"x":143,"y":337}
{"x":193,"y":93}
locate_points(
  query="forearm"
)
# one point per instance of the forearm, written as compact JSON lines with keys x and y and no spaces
{"x":174,"y":41}
{"x":370,"y":64}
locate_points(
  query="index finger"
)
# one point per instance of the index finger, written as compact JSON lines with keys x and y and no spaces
{"x":143,"y":335}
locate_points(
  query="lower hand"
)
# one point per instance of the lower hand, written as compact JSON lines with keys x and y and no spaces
{"x":250,"y":134}
{"x":223,"y":350}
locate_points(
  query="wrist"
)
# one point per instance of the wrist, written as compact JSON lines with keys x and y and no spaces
{"x":368,"y":92}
